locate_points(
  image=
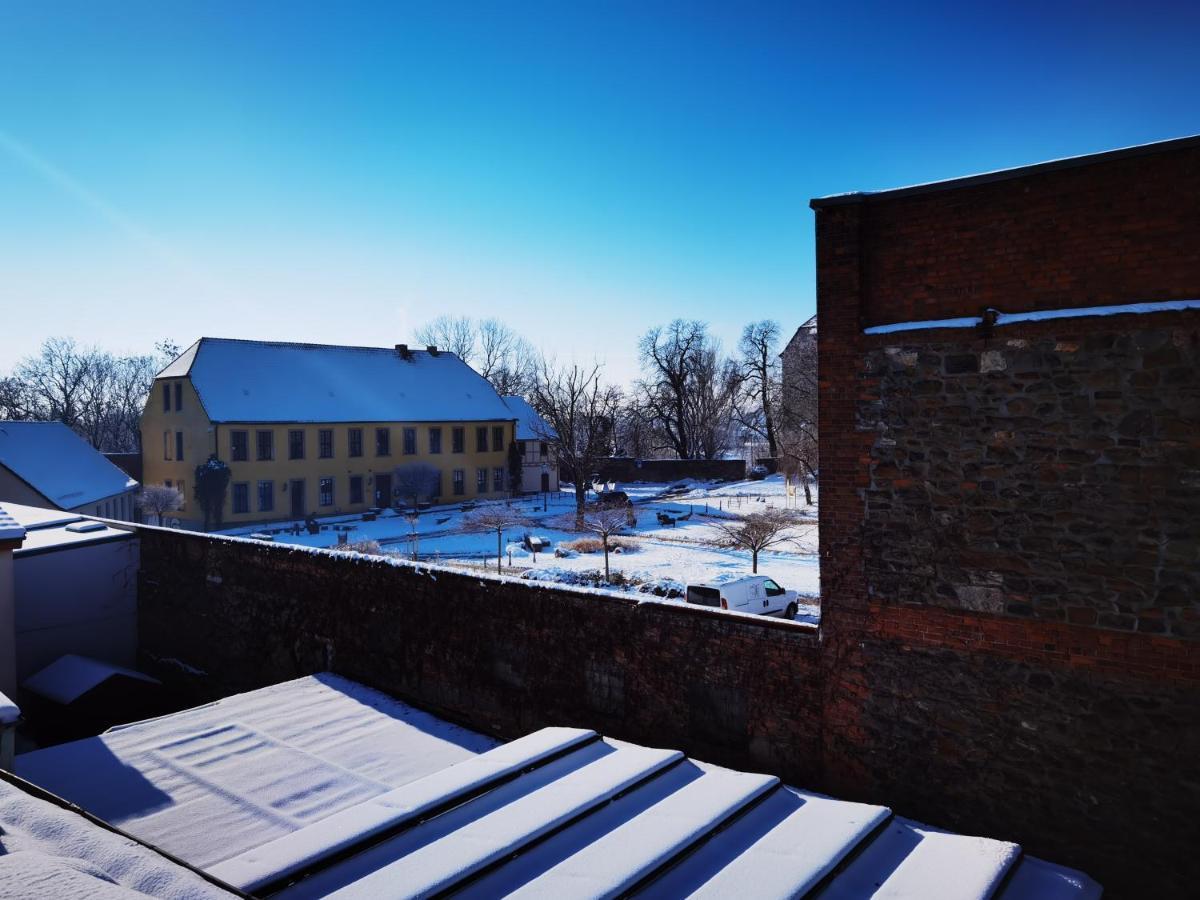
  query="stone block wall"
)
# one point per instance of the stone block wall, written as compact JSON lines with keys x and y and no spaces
{"x":1050,"y":472}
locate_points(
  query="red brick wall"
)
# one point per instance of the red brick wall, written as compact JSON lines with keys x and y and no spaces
{"x":1112,"y":232}
{"x":1060,"y":734}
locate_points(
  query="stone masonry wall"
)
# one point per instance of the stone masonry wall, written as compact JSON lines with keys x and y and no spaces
{"x":502,"y":656}
{"x":1054,"y":475}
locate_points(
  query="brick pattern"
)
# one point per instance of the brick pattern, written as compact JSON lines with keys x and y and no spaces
{"x":1055,"y":475}
{"x":1112,"y":232}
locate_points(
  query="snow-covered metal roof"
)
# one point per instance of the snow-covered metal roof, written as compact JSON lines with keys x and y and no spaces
{"x":321,"y":786}
{"x":261,"y":381}
{"x":59,"y":464}
{"x":530,"y":426}
{"x":10,"y":528}
{"x":50,"y":850}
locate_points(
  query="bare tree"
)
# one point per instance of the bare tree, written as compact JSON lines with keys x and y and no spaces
{"x":759,"y":364}
{"x":687,"y":389}
{"x":496,"y":352}
{"x":415,"y":482}
{"x":797,"y":390}
{"x":453,"y":333}
{"x":759,"y":531}
{"x":578,"y":409}
{"x":158,"y":500}
{"x":98,"y":394}
{"x":606,"y":522}
{"x":498,"y":519}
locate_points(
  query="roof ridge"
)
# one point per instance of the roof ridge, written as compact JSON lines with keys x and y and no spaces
{"x":413,"y":348}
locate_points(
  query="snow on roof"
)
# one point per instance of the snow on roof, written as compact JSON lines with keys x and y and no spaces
{"x":52,"y":529}
{"x":320,"y":785}
{"x":260,"y":381}
{"x":70,"y":677}
{"x":10,"y":528}
{"x":59,"y":464}
{"x":1041,"y":315}
{"x":211,"y":783}
{"x":530,"y":426}
{"x":47,"y":850}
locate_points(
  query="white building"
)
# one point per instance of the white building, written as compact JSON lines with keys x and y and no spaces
{"x":535,"y":440}
{"x":47,"y":464}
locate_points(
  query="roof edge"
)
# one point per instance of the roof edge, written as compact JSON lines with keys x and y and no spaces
{"x":1070,"y":162}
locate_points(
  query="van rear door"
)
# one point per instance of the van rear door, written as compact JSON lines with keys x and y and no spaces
{"x":703,"y":596}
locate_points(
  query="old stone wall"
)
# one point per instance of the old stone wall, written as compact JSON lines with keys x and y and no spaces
{"x":1053,"y":473}
{"x":502,"y":657}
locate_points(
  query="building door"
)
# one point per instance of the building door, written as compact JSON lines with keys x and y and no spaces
{"x":383,"y":491}
{"x":296,"y":489}
{"x":545,"y":481}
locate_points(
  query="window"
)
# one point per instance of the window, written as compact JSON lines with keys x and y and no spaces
{"x":521,"y":447}
{"x":182,"y":493}
{"x":460,"y":482}
{"x":264,"y":445}
{"x":410,"y":441}
{"x":166,"y":445}
{"x":481,"y":440}
{"x":178,"y":396}
{"x":497,"y":437}
{"x":266,"y":496}
{"x":356,"y":442}
{"x":241,"y":497}
{"x":356,"y":486}
{"x":239,"y":446}
{"x":543,"y":448}
{"x":435,"y":440}
{"x":325,"y":443}
{"x":773,"y":590}
{"x":383,"y":442}
{"x":481,"y":481}
{"x":166,"y":398}
{"x":178,"y":445}
{"x":108,"y":509}
{"x":498,"y":478}
{"x":296,"y":444}
{"x":167,"y":482}
{"x":457,"y":440}
{"x":325,"y":492}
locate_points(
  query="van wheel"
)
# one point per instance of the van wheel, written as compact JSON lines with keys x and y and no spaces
{"x":790,"y":612}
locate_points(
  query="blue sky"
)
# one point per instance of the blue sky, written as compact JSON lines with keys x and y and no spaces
{"x":341,"y":172}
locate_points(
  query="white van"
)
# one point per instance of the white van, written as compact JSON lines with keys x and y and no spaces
{"x":750,"y":593}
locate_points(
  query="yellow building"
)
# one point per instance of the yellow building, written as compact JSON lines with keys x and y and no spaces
{"x":322,"y":429}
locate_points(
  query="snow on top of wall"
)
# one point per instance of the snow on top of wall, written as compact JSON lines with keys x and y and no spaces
{"x":259,"y":381}
{"x":530,"y":426}
{"x":48,"y":851}
{"x":70,"y":677}
{"x":59,"y":464}
{"x":1041,"y":315}
{"x":210,"y":783}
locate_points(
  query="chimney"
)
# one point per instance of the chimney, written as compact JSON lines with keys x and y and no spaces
{"x":402,"y":349}
{"x":433,"y":350}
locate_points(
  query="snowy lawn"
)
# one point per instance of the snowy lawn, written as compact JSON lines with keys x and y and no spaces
{"x":657,"y":556}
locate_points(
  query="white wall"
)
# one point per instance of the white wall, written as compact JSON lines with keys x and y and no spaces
{"x":79,"y":599}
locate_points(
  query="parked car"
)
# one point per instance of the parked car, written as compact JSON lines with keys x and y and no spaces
{"x":758,"y":473}
{"x":758,"y":594}
{"x":612,"y":498}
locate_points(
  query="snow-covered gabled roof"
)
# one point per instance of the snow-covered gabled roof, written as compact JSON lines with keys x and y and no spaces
{"x":71,"y":676}
{"x":319,"y":786}
{"x":530,"y":426}
{"x":262,"y":381}
{"x":59,"y":464}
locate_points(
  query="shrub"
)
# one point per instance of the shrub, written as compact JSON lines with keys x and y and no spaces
{"x":365,"y":546}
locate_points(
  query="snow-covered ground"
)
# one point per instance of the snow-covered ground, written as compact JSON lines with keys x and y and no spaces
{"x":691,"y":551}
